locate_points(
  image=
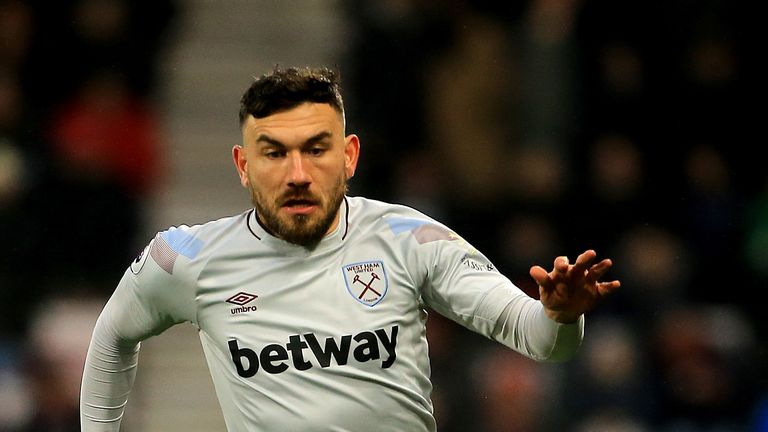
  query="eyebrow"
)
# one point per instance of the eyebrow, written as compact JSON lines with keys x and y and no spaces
{"x":309,"y":141}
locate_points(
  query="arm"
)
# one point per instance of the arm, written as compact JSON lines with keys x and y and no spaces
{"x":146,"y":302}
{"x":490,"y":304}
{"x":524,"y":326}
{"x":113,"y":355}
{"x":464,"y":286}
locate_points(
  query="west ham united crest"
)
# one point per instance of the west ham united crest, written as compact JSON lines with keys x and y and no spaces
{"x":366,"y":281}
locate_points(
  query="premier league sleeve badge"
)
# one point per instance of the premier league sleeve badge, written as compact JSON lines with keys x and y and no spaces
{"x":138,"y":263}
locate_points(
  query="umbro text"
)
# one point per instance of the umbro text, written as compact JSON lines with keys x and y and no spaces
{"x":242,"y":309}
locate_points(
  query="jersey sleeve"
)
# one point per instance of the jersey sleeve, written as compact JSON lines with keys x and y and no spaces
{"x":153,"y":295}
{"x":463,"y":285}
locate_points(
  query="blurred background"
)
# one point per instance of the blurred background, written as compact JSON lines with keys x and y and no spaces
{"x":534,"y":129}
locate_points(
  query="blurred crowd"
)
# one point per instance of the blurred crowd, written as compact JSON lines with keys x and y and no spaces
{"x":80,"y":151}
{"x":533,"y":129}
{"x":542,"y":128}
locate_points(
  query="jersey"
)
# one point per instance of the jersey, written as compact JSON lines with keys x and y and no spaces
{"x":329,"y":338}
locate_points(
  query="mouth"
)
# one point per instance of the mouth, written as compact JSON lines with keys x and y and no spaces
{"x":299,"y":206}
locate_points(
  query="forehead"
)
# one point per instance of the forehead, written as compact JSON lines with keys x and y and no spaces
{"x":296,"y":124}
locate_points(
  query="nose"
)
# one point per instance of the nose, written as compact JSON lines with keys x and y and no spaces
{"x":298,"y":175}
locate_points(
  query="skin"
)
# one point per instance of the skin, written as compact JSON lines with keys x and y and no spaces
{"x":296,"y":165}
{"x":570,"y":290}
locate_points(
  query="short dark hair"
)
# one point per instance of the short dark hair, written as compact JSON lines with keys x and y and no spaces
{"x":284,"y":89}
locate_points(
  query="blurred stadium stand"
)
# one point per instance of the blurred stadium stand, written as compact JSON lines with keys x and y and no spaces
{"x":534,"y":129}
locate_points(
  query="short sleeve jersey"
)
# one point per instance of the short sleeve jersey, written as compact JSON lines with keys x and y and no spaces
{"x":330,"y":338}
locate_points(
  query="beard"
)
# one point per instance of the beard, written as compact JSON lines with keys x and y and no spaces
{"x":303,"y":229}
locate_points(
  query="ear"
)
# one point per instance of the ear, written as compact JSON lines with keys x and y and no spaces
{"x":241,"y":164}
{"x":351,"y":154}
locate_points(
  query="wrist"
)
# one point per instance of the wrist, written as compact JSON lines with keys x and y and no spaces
{"x":562,"y":317}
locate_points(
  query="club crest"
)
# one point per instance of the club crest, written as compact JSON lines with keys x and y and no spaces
{"x":366,"y":281}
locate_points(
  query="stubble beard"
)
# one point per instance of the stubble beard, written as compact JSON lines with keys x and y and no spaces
{"x":302,"y":230}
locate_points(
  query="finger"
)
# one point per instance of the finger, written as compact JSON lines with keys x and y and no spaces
{"x":598,"y":270}
{"x":603,"y":265}
{"x":561,"y":264}
{"x":607,"y":288}
{"x":540,"y":276}
{"x":584,"y":260}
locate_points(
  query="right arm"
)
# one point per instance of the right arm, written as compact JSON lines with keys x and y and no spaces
{"x":147,"y":301}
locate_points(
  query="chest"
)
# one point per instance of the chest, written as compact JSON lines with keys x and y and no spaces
{"x":267,"y":297}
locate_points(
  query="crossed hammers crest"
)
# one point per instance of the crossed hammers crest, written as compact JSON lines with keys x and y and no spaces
{"x":374,"y":277}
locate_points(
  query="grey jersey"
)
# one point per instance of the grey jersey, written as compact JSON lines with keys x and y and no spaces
{"x":325,"y":339}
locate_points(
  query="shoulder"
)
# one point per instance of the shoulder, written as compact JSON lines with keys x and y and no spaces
{"x":204,"y":234}
{"x":381,"y":209}
{"x":210,"y":229}
{"x":187,"y":243}
{"x":399,"y":219}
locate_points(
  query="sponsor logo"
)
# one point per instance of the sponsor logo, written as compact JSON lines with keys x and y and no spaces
{"x":366,"y":281}
{"x":305,"y":351}
{"x":242,"y":299}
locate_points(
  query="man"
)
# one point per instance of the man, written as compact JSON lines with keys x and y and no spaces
{"x":311,"y":306}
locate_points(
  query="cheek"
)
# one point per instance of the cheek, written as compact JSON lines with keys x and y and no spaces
{"x":261,"y":178}
{"x":253,"y":183}
{"x":265,"y":187}
{"x":259,"y":194}
{"x":332,"y":178}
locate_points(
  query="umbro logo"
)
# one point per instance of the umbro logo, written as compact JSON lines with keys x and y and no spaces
{"x":242,"y":299}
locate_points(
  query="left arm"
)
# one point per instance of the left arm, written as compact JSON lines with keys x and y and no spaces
{"x":464,"y":286}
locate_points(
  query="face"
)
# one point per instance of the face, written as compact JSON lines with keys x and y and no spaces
{"x":296,"y":164}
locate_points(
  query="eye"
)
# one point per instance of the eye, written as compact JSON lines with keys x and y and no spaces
{"x":316,"y":151}
{"x":274,"y":154}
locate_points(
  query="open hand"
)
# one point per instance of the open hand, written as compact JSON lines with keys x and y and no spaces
{"x":570,"y":290}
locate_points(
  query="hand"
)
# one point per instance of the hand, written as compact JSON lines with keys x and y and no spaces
{"x":570,"y":290}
